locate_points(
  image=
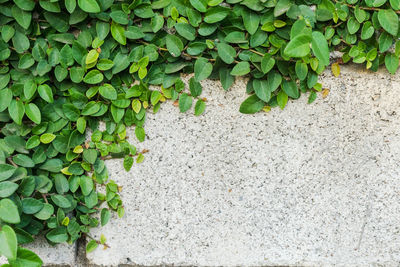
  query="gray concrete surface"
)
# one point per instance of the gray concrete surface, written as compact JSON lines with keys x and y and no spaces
{"x":311,"y":185}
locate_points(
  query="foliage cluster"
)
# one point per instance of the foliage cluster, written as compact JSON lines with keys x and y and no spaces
{"x":65,"y":65}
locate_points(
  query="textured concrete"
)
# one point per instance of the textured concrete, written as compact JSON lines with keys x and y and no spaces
{"x":311,"y":185}
{"x":59,"y":255}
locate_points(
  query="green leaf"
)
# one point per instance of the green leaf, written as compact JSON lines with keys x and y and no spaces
{"x":4,"y":80}
{"x":46,"y":93}
{"x":312,"y":97}
{"x":185,"y":102}
{"x":291,"y":89}
{"x":199,"y":107}
{"x":320,"y":48}
{"x":186,"y":31}
{"x":105,"y":216}
{"x":52,"y":165}
{"x":70,"y":5}
{"x":33,"y":113}
{"x":61,"y":201}
{"x":391,"y":63}
{"x":298,"y":47}
{"x":140,"y":133}
{"x":395,"y":4}
{"x":241,"y":68}
{"x":27,"y":5}
{"x":6,"y":171}
{"x":8,"y":243}
{"x":23,"y":160}
{"x":389,"y":21}
{"x":90,"y":155}
{"x":136,"y":105}
{"x":93,"y":77}
{"x":251,"y":105}
{"x":7,"y":188}
{"x":86,"y":184}
{"x":47,"y":138}
{"x":353,"y":25}
{"x":45,"y":213}
{"x":31,"y":205}
{"x":92,"y":57}
{"x":202,"y":69}
{"x":195,"y":87}
{"x":282,"y":99}
{"x":26,"y":258}
{"x":71,"y":112}
{"x":61,"y":183}
{"x":133,"y":32}
{"x":26,"y":61}
{"x":91,"y":246}
{"x":226,"y":52}
{"x":216,"y":14}
{"x":128,"y":162}
{"x":200,"y":5}
{"x":58,"y":235}
{"x":282,"y":6}
{"x":105,"y":64}
{"x":157,"y":22}
{"x":267,"y":63}
{"x":21,"y":42}
{"x":301,"y":70}
{"x":90,"y":6}
{"x":174,"y":45}
{"x":22,"y":17}
{"x":262,"y":90}
{"x":81,"y":125}
{"x":155,"y":97}
{"x":367,"y":30}
{"x":118,"y":33}
{"x":251,"y":21}
{"x":108,"y":91}
{"x":16,"y":111}
{"x":5,"y":98}
{"x":30,"y":88}
{"x":9,"y":211}
{"x":226,"y":78}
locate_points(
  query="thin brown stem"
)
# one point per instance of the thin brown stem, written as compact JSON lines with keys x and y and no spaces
{"x":365,"y":7}
{"x":97,"y":241}
{"x":12,"y":162}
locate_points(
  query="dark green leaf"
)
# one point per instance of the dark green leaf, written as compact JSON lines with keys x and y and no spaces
{"x":185,"y":102}
{"x":251,"y":105}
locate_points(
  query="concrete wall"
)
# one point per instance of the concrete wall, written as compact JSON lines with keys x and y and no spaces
{"x":310,"y":185}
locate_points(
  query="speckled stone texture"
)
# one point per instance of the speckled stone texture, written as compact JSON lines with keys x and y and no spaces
{"x":310,"y":185}
{"x":59,"y":255}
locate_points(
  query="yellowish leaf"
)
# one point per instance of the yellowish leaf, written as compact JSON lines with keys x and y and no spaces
{"x":335,"y":69}
{"x":325,"y":93}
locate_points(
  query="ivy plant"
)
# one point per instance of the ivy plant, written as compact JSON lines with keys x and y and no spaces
{"x":66,"y":65}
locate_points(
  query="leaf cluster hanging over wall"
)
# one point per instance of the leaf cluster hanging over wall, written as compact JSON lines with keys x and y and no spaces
{"x":65,"y":65}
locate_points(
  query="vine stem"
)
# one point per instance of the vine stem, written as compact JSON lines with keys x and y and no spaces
{"x":45,"y":198}
{"x":144,"y":151}
{"x":183,"y":53}
{"x":83,"y":204}
{"x":12,"y":162}
{"x":98,"y":242}
{"x":365,"y":8}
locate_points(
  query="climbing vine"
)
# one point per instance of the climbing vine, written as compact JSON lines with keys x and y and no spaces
{"x":66,"y":65}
